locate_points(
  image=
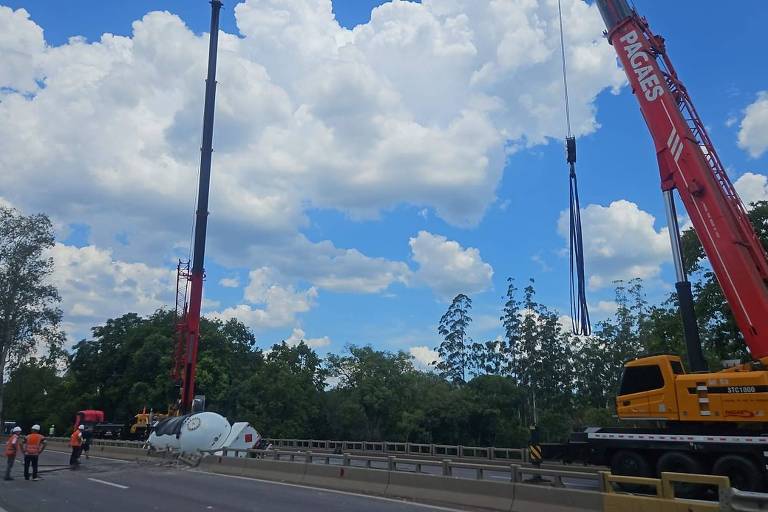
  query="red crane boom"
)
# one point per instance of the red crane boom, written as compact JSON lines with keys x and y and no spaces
{"x":689,"y":164}
{"x":188,"y":307}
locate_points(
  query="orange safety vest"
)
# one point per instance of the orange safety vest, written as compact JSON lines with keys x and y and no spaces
{"x":76,"y":439}
{"x":34,"y":444}
{"x":11,"y":445}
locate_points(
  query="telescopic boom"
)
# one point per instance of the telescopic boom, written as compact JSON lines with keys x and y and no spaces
{"x":190,"y":323}
{"x":689,"y":164}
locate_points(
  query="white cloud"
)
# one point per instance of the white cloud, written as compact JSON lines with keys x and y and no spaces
{"x":447,"y":267}
{"x":418,"y":106}
{"x":604,"y":308}
{"x":350,"y":124}
{"x":21,"y":44}
{"x":620,"y":242}
{"x":94,"y":286}
{"x":279,"y":304}
{"x":335,"y":269}
{"x":752,"y":188}
{"x":753,"y":130}
{"x":423,"y":357}
{"x":298,"y":335}
{"x":229,"y":282}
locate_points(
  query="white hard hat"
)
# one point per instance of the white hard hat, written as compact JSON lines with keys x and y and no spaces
{"x":35,"y":427}
{"x":16,"y":429}
{"x":81,"y":427}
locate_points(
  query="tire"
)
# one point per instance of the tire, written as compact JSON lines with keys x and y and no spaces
{"x":679,"y":462}
{"x":629,"y":463}
{"x":743,"y":473}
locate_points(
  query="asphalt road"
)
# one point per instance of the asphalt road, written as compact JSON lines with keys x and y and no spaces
{"x":107,"y":484}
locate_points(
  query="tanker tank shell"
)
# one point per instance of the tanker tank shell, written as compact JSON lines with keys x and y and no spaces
{"x":203,"y":431}
{"x":165,"y":433}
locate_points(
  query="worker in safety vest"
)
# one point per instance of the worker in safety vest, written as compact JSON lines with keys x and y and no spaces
{"x":76,"y":442}
{"x":11,"y":449}
{"x":34,"y":445}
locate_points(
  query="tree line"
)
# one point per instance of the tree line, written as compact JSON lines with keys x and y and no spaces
{"x":485,"y":392}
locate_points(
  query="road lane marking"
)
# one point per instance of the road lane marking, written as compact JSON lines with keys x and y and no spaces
{"x":108,"y":483}
{"x":334,"y":491}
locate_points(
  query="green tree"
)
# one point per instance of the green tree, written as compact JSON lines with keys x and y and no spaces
{"x":376,"y":381}
{"x":453,"y":349}
{"x":32,"y":392}
{"x":284,"y":398}
{"x":487,"y":358}
{"x":29,"y":315}
{"x":511,"y":321}
{"x":720,"y":336}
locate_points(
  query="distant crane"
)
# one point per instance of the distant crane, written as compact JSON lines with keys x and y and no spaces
{"x":189,"y":283}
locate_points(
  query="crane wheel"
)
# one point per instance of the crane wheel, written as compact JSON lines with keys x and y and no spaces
{"x":679,"y":462}
{"x":629,"y":463}
{"x":743,"y":473}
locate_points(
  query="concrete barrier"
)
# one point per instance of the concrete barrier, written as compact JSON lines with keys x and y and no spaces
{"x":346,"y":478}
{"x":552,"y":499}
{"x":255,"y":468}
{"x":452,"y":491}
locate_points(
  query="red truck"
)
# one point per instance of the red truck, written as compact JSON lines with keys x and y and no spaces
{"x":96,"y":426}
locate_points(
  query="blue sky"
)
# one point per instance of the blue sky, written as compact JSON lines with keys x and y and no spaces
{"x":119,"y":235}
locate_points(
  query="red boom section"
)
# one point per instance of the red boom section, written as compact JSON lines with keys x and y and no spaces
{"x":688,"y":162}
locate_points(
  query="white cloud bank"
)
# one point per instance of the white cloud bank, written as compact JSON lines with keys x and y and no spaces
{"x":447,"y":267}
{"x":621,"y":242}
{"x":752,"y":187}
{"x":419,"y":106}
{"x":94,"y":286}
{"x":298,"y":335}
{"x":423,"y":357}
{"x":753,"y":130}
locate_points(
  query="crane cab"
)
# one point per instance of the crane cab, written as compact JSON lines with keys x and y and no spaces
{"x":647,"y":389}
{"x":658,"y":388}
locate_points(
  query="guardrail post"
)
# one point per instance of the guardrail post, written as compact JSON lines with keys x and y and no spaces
{"x":346,"y":461}
{"x":308,"y":457}
{"x":293,"y":457}
{"x":447,"y":467}
{"x":514,"y":473}
{"x":491,"y":453}
{"x":479,"y":474}
{"x":391,"y":464}
{"x":275,"y":455}
{"x":418,"y":467}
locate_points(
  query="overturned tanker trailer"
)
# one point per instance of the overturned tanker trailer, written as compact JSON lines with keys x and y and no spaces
{"x":192,"y":434}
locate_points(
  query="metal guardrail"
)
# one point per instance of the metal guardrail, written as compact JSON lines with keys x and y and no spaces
{"x":434,"y":450}
{"x":445,"y":467}
{"x":743,"y":501}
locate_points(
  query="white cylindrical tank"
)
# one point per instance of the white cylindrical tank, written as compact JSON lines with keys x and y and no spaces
{"x":203,"y":431}
{"x":162,"y":443}
{"x":165,"y":433}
